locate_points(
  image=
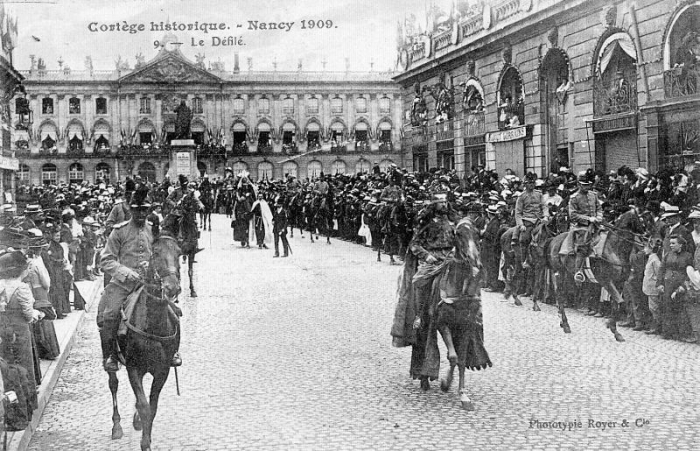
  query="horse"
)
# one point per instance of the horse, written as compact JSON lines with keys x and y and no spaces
{"x":610,"y":269}
{"x":513,"y":271}
{"x":207,"y":199}
{"x":323,"y":216}
{"x":296,"y":214}
{"x":459,"y":317}
{"x":152,"y":337}
{"x":188,"y":234}
{"x":542,"y":235}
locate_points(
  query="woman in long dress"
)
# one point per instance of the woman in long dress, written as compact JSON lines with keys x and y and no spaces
{"x":55,"y":261}
{"x":672,"y":275}
{"x":16,"y":314}
{"x":38,"y":279}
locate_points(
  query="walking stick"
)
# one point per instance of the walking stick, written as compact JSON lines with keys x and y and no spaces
{"x":177,"y":382}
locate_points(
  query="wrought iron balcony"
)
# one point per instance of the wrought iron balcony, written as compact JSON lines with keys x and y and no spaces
{"x":681,"y":82}
{"x":614,"y":98}
{"x":511,"y":115}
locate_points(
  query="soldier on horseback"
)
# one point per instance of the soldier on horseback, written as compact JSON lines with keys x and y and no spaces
{"x":585,"y":214}
{"x":125,"y":258}
{"x":529,"y":209}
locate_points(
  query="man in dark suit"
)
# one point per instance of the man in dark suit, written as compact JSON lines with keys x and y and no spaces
{"x":279,"y":227}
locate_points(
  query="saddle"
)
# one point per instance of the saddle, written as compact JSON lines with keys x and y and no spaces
{"x":597,"y":244}
{"x":127,"y":311}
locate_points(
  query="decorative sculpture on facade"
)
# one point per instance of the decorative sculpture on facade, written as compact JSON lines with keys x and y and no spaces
{"x":444,"y":100}
{"x":419,"y":109}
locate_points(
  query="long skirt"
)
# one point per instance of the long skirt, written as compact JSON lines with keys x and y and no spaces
{"x":240,"y":230}
{"x":46,"y":339}
{"x":16,"y":346}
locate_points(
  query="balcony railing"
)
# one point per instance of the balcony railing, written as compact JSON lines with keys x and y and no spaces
{"x":511,"y":115}
{"x":240,"y":148}
{"x":290,"y":148}
{"x":617,"y":97}
{"x":362,"y":146}
{"x":386,"y":146}
{"x":475,"y":124}
{"x":681,"y":82}
{"x":338,"y":148}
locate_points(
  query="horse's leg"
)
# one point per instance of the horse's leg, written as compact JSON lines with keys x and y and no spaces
{"x":539,"y":288}
{"x":516,"y":282}
{"x":142,"y":406}
{"x":564,"y":321}
{"x":190,"y":273}
{"x":447,"y":338}
{"x":159,"y":380}
{"x":209,"y":219}
{"x":615,"y":306}
{"x":329,"y":228}
{"x":117,"y":432}
{"x":446,"y":383}
{"x":463,"y":397}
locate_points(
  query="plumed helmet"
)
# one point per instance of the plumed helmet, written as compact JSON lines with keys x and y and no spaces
{"x":130,"y":185}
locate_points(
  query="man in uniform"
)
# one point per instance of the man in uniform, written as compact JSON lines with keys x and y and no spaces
{"x":529,"y":209}
{"x":585,"y":213}
{"x":125,"y":258}
{"x":176,"y":196}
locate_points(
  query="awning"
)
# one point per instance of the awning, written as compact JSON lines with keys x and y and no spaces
{"x":621,"y":41}
{"x":48,"y":131}
{"x":197,"y":127}
{"x":239,"y":127}
{"x":263,"y":127}
{"x":313,"y":127}
{"x":384,"y":126}
{"x":102,"y":131}
{"x":337,"y":127}
{"x":145,"y":127}
{"x":289,"y":127}
{"x":361,"y":126}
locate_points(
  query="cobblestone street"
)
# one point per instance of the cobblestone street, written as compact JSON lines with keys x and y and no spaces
{"x":286,"y":354}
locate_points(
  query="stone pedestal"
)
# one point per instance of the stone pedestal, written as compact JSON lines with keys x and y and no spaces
{"x":182,"y":159}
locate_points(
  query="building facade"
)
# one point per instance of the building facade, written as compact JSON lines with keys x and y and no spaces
{"x":110,"y":124}
{"x":533,"y":85}
{"x":10,"y":79}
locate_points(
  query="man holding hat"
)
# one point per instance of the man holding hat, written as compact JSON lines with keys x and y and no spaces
{"x":585,"y":214}
{"x":125,"y":258}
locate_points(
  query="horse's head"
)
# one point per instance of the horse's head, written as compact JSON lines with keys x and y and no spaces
{"x":166,"y":264}
{"x":467,"y":249}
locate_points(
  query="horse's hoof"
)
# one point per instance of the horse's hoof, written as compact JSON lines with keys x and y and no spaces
{"x":619,"y":337}
{"x":567,"y":329}
{"x":117,"y":432}
{"x":536,"y":307}
{"x":468,"y":406}
{"x":137,"y":422}
{"x":506,"y":295}
{"x":444,"y":386}
{"x":517,"y":301}
{"x":193,"y":294}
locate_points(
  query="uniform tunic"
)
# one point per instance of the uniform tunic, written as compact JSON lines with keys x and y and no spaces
{"x":529,"y":208}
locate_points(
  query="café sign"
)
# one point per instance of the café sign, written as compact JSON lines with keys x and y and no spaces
{"x":507,"y":135}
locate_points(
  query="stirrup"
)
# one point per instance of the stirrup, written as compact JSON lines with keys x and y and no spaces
{"x":177,"y":360}
{"x":579,"y":277}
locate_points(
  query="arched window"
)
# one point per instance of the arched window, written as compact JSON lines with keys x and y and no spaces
{"x":336,"y":105}
{"x":102,"y":171}
{"x":76,"y":173}
{"x":75,"y":137}
{"x":264,"y":105}
{"x":239,"y":167}
{"x":511,"y":100}
{"x":361,"y":105}
{"x":384,"y":165}
{"x":384,"y":131}
{"x":314,"y":169}
{"x":47,"y":105}
{"x":147,"y":172}
{"x":74,"y":105}
{"x":312,"y":105}
{"x":290,"y":168}
{"x":48,"y":136}
{"x":363,"y":167}
{"x":264,"y":138}
{"x":313,"y":135}
{"x":238,"y":106}
{"x":680,"y":53}
{"x":49,"y":174}
{"x":100,"y":105}
{"x":288,"y":106}
{"x":338,"y":167}
{"x":23,"y":175}
{"x":265,"y":171}
{"x":385,"y":105}
{"x":615,"y":80}
{"x":197,"y":106}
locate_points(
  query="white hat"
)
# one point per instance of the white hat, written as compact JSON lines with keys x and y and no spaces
{"x":671,"y":210}
{"x":694,"y":215}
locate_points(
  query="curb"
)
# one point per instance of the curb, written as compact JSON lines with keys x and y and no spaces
{"x":19,"y":440}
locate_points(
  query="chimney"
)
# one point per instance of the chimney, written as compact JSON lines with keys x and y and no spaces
{"x":236,"y":68}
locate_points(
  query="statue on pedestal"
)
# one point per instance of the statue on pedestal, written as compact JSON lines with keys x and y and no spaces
{"x":183,"y":120}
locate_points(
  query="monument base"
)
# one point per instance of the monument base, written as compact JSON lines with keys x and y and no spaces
{"x":182,"y":159}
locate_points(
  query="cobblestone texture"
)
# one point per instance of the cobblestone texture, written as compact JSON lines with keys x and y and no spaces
{"x":295,"y":354}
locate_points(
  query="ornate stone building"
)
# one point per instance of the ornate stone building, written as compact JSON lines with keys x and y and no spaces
{"x":537,"y":84}
{"x":9,"y":80}
{"x":111,"y":124}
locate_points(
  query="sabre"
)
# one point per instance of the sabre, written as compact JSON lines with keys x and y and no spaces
{"x":177,"y":382}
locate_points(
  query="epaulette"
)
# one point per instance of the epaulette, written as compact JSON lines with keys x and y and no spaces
{"x":120,"y":225}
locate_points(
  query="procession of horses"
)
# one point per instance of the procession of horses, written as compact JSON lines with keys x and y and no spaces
{"x":454,"y":310}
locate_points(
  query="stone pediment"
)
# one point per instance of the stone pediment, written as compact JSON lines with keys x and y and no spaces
{"x":170,"y":67}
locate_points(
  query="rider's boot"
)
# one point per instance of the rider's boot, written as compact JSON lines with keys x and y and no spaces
{"x":525,"y":257}
{"x":110,"y":362}
{"x":177,"y":359}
